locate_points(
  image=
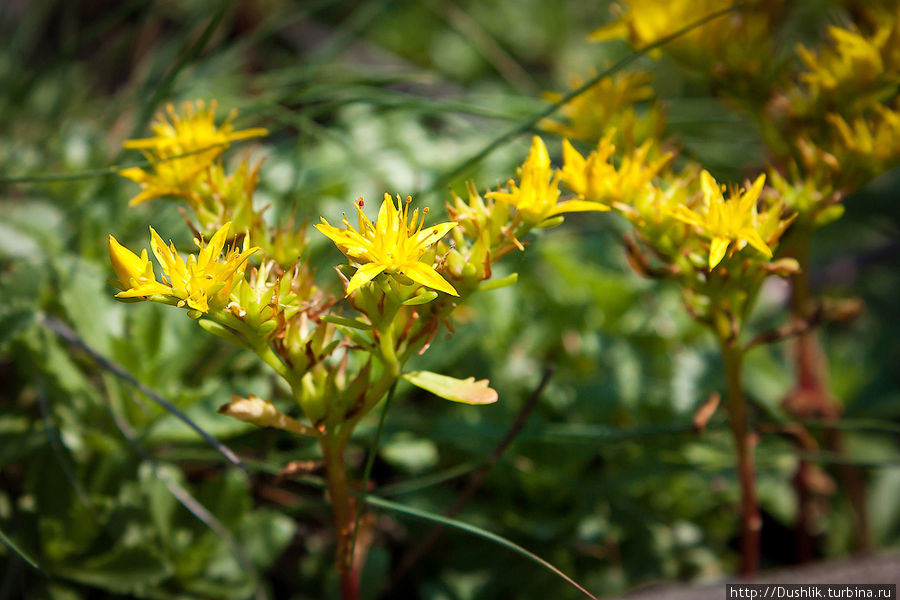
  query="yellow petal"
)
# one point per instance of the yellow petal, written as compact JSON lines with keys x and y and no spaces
{"x":538,"y":156}
{"x":749,"y":198}
{"x":577,"y":206}
{"x":364,"y":275}
{"x":711,"y":189}
{"x":427,"y":276}
{"x":428,"y":236}
{"x":753,"y":238}
{"x":126,"y":264}
{"x":717,"y":248}
{"x":686,"y":215}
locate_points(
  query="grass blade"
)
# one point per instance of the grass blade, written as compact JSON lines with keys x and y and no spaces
{"x":529,"y":124}
{"x":71,"y":337}
{"x":6,"y":541}
{"x":477,"y":531}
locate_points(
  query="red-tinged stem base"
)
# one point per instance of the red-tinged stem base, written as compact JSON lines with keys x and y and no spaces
{"x":751,"y":523}
{"x":343,"y":509}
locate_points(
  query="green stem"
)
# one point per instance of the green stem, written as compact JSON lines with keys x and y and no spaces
{"x":733,"y":357}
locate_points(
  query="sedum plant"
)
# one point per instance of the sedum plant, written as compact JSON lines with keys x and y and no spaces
{"x":718,"y":250}
{"x":339,"y":357}
{"x":828,"y":119}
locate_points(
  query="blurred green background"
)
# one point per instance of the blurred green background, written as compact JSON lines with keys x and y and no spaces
{"x":104,"y":493}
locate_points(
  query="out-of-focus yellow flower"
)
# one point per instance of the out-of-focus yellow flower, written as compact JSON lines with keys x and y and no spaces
{"x":646,"y":21}
{"x":609,"y":104}
{"x":202,"y":283}
{"x":536,"y":195}
{"x":194,"y":129}
{"x":875,"y":139}
{"x":726,"y":221}
{"x":596,"y":179}
{"x":718,"y":46}
{"x":849,"y":73}
{"x":183,"y":146}
{"x":393,"y":244}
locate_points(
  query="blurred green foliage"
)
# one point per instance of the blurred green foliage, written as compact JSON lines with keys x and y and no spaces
{"x":103,"y":493}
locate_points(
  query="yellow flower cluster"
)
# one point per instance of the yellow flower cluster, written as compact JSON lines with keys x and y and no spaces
{"x":202,"y":283}
{"x":610,"y":105}
{"x":183,"y":147}
{"x":856,"y":69}
{"x":718,"y":47}
{"x":537,"y":193}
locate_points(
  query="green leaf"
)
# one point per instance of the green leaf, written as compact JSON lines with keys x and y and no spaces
{"x":496,"y":284}
{"x":120,"y":570}
{"x":422,"y":298}
{"x":413,"y":455}
{"x":226,"y":333}
{"x":12,"y":322}
{"x":354,"y":323}
{"x":467,"y":391}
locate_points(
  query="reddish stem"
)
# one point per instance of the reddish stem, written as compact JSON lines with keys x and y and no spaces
{"x":343,"y":509}
{"x":751,"y":522}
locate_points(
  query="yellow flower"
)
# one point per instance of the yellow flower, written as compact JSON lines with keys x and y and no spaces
{"x":724,"y":222}
{"x":202,"y":283}
{"x":536,"y":196}
{"x":182,"y":147}
{"x":719,"y":44}
{"x":596,"y":179}
{"x":873,"y":138}
{"x":393,"y":244}
{"x":851,"y":72}
{"x":133,"y":272}
{"x":609,"y":104}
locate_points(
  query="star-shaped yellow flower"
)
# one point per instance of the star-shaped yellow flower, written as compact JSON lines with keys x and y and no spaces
{"x":393,"y":244}
{"x":724,"y":222}
{"x":536,"y":195}
{"x":596,"y":179}
{"x":183,"y":146}
{"x":203,"y":282}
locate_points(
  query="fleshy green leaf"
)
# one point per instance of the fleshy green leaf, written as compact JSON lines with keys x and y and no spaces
{"x":346,"y":322}
{"x":467,"y":391}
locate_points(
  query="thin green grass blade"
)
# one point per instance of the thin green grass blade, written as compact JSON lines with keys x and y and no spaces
{"x":529,"y":124}
{"x":5,"y":539}
{"x":164,"y":88}
{"x":477,"y":531}
{"x":432,"y":479}
{"x":71,"y":337}
{"x":98,"y":172}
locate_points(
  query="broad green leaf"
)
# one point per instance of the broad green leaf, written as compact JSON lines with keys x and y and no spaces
{"x":467,"y":391}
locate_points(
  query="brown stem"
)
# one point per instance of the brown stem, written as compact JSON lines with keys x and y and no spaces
{"x":737,"y":407}
{"x":342,"y":507}
{"x":811,"y":398}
